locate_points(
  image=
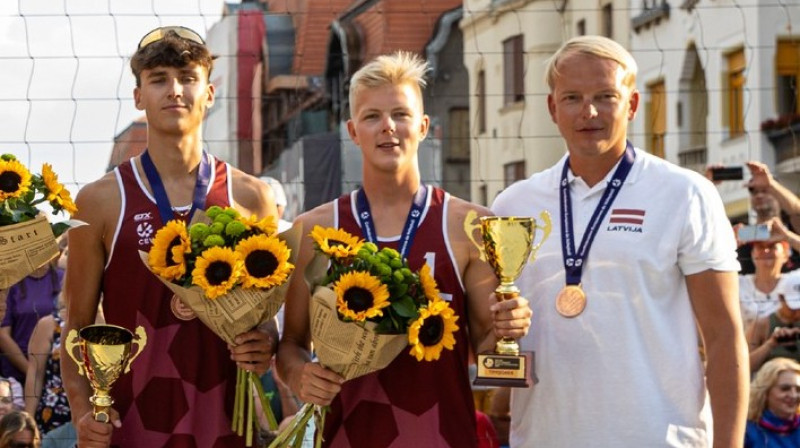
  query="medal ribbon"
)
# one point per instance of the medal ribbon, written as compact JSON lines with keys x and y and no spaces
{"x":364,"y":218}
{"x":162,"y":201}
{"x":573,"y":261}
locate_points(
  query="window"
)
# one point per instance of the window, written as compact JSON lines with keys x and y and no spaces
{"x":458,"y":135}
{"x":513,"y":70}
{"x":581,"y":27}
{"x":513,"y":172}
{"x":787,"y":69}
{"x":608,"y":21}
{"x":735,"y":93}
{"x":481,"y":93}
{"x":656,"y":117}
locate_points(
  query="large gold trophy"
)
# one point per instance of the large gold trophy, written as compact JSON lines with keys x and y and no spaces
{"x":508,"y":244}
{"x":105,"y":355}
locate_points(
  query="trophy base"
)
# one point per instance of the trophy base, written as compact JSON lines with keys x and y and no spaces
{"x":495,"y":369}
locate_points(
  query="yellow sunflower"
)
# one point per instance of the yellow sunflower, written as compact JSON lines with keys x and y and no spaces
{"x":266,"y":261}
{"x":336,"y":243}
{"x":433,"y":331}
{"x":360,"y":296}
{"x":15,"y":179}
{"x":217,"y":270}
{"x":266,"y":225}
{"x":429,"y":286}
{"x":167,"y":257}
{"x":57,"y":195}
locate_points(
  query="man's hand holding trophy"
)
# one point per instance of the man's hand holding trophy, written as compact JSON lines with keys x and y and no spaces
{"x":507,"y":246}
{"x":105,"y":354}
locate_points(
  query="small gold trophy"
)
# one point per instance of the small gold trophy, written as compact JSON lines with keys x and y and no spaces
{"x":508,"y":244}
{"x":105,"y":353}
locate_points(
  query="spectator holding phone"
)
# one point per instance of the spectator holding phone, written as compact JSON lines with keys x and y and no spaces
{"x":777,"y":208}
{"x":762,"y":182}
{"x":771,"y":202}
{"x":777,"y":334}
{"x":759,"y":292}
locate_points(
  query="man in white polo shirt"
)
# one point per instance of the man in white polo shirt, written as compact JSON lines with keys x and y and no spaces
{"x":641,"y":250}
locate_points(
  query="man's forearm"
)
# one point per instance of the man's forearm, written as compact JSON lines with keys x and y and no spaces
{"x":787,"y":200}
{"x":291,"y":359}
{"x":727,"y":377}
{"x":76,"y":386}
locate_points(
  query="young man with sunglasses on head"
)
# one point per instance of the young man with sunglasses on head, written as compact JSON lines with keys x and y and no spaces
{"x":180,"y":390}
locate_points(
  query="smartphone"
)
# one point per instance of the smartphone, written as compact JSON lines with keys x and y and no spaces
{"x":791,"y":338}
{"x":727,"y":173}
{"x":758,"y":232}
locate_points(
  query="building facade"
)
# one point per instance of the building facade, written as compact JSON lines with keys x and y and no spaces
{"x":719,"y":86}
{"x":506,"y":47}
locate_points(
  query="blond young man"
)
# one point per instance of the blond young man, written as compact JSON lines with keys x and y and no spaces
{"x":409,"y":403}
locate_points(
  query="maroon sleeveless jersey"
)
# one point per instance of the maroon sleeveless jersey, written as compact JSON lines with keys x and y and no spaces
{"x":180,"y":390}
{"x":411,"y":403}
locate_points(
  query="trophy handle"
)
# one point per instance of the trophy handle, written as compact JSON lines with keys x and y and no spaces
{"x":470,"y":227}
{"x":71,"y":344}
{"x":546,"y":228}
{"x":140,"y":341}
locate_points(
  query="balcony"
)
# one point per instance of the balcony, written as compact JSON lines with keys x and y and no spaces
{"x":784,"y":134}
{"x":651,"y":15}
{"x":786,"y":142}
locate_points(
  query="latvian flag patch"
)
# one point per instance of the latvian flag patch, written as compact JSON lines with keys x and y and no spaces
{"x":627,"y":216}
{"x":626,"y":220}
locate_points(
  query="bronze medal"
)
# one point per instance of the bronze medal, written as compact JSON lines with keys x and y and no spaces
{"x":571,"y":301}
{"x":180,"y":310}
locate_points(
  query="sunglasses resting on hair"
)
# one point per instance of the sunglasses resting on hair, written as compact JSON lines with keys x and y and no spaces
{"x":161,"y":32}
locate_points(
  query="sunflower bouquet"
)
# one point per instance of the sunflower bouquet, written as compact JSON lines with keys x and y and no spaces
{"x":26,"y":238}
{"x":367,"y":307}
{"x":232,"y":273}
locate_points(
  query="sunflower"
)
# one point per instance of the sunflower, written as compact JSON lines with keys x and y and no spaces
{"x":217,"y":270}
{"x":360,"y":296}
{"x":266,"y":261}
{"x":266,"y":225}
{"x":167,"y":257}
{"x":57,"y":195}
{"x":15,"y":179}
{"x":65,"y":201}
{"x":432,"y":331}
{"x":336,"y":243}
{"x":428,"y":283}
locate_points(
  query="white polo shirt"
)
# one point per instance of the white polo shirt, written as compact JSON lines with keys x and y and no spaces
{"x":626,"y":372}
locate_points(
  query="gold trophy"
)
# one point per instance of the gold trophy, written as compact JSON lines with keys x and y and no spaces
{"x":105,"y":353}
{"x":508,"y":244}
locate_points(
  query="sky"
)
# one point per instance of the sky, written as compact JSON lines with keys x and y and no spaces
{"x":66,"y":88}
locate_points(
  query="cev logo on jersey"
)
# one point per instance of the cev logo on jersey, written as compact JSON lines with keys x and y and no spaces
{"x":626,"y":220}
{"x":145,"y":232}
